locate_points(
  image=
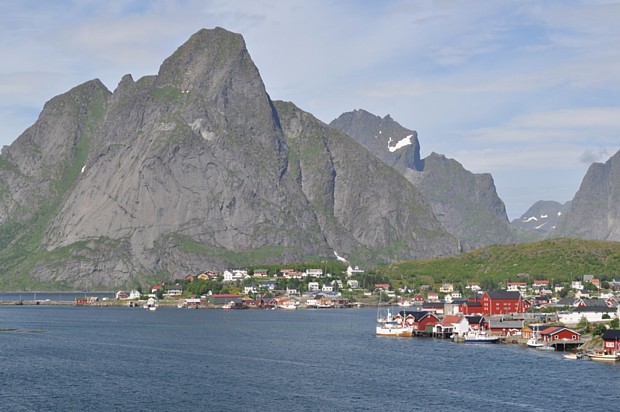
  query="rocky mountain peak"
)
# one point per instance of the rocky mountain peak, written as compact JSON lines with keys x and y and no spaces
{"x":204,"y":60}
{"x":466,"y":204}
{"x":392,"y":143}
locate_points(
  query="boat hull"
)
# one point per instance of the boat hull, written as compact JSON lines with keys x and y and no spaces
{"x":600,"y":357}
{"x":482,"y":340}
{"x":394,"y":331}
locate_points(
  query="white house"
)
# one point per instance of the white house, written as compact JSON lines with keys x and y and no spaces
{"x":250,"y":289}
{"x":327,"y":288}
{"x":462,"y":327}
{"x":353,"y":284}
{"x":577,"y":285}
{"x":591,"y":314}
{"x":317,"y":273}
{"x":174,"y":290}
{"x":354,"y":271}
{"x":313,"y":286}
{"x":235,"y":275}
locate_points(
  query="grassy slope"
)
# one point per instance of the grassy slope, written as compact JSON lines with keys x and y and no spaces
{"x":560,"y":260}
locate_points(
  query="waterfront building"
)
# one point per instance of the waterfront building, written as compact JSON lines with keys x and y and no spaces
{"x":499,"y":302}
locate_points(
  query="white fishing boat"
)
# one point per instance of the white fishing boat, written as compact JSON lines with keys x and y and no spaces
{"x":604,"y":357}
{"x":572,"y":356}
{"x":534,"y":342}
{"x":387,"y":325}
{"x":479,"y":336}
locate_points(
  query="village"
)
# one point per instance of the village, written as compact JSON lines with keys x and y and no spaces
{"x":528,"y":313}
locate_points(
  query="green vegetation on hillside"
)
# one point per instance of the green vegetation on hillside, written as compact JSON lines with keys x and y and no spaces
{"x":559,"y":260}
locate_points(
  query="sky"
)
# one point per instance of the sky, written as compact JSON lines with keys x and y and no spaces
{"x":528,"y":91}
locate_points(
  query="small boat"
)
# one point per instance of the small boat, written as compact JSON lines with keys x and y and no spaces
{"x":479,"y":336}
{"x":288,"y":306}
{"x":572,"y":356}
{"x":388,"y":326}
{"x":545,"y":346}
{"x":533,"y":342}
{"x":151,"y":304}
{"x":604,"y":357}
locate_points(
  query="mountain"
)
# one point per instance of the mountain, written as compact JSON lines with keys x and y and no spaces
{"x":466,"y":204}
{"x":191,"y":169}
{"x":542,"y":216}
{"x":595,"y":209}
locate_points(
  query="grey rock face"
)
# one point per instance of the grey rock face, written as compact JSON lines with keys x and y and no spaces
{"x":595,"y":210}
{"x":385,"y":138}
{"x":195,"y":169}
{"x":466,"y":204}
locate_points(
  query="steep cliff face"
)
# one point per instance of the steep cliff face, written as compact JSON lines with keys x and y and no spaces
{"x":595,"y":210}
{"x":364,"y":207}
{"x":191,"y":169}
{"x":49,"y":151}
{"x":466,"y":204}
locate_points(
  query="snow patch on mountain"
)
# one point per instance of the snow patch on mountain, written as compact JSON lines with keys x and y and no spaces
{"x":400,"y":144}
{"x":340,"y":258}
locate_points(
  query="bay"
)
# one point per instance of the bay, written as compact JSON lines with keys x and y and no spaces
{"x":102,"y":359}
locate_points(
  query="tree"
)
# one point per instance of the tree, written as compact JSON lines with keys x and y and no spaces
{"x":583,"y":324}
{"x":615,"y":323}
{"x":599,"y":329}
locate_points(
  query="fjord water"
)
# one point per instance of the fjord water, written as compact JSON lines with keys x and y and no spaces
{"x":73,"y":358}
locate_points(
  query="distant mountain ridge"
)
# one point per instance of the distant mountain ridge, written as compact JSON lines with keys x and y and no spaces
{"x":466,"y":204}
{"x":192,"y":169}
{"x":542,"y":216}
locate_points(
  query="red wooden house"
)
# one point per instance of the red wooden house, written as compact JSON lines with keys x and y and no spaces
{"x":470,"y":308}
{"x":418,"y":299}
{"x":499,"y":302}
{"x":558,"y":333}
{"x":418,"y":319}
{"x":611,"y":341}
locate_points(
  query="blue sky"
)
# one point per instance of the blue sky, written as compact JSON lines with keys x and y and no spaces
{"x":528,"y":91}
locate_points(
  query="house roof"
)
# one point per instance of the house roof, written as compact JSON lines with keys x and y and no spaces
{"x":449,"y":320}
{"x":581,"y":309}
{"x":434,"y":304}
{"x":417,"y":315}
{"x":505,"y":324}
{"x":504,"y":295}
{"x":474,"y":320}
{"x":611,"y":334}
{"x":566,"y":301}
{"x":552,"y":330}
{"x":594,"y":302}
{"x":472,"y":304}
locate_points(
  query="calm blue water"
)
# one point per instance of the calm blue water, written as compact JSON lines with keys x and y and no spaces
{"x":57,"y":296}
{"x":106,"y":359}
